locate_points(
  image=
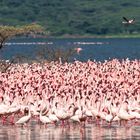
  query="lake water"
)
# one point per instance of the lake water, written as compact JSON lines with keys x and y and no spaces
{"x":95,"y":49}
{"x":90,"y":131}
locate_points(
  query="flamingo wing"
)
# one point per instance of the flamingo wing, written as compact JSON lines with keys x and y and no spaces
{"x":125,"y":19}
{"x":45,"y":119}
{"x":23,"y":120}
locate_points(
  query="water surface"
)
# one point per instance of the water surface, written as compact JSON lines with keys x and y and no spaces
{"x":90,"y":131}
{"x":95,"y":49}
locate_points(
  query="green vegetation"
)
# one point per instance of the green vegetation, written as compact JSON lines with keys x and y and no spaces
{"x":7,"y":32}
{"x":73,"y":17}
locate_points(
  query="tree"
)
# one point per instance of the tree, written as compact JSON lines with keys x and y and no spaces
{"x":49,"y":54}
{"x":8,"y":32}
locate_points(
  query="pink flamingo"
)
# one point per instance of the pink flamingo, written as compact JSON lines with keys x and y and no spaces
{"x":44,"y":119}
{"x":23,"y":120}
{"x":78,"y":50}
{"x":123,"y":113}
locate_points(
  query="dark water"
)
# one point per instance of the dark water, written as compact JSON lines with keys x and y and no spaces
{"x":95,"y":49}
{"x":73,"y":132}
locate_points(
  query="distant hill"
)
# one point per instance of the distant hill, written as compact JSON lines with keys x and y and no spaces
{"x":73,"y":17}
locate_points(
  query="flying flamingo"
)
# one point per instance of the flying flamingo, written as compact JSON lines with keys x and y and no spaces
{"x":128,"y":21}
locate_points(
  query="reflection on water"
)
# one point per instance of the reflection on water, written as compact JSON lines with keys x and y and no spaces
{"x":72,"y":132}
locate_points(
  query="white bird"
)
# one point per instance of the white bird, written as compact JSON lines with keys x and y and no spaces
{"x":135,"y":114}
{"x":111,"y":114}
{"x":79,"y":115}
{"x":95,"y":112}
{"x":24,"y":119}
{"x":3,"y":112}
{"x":44,"y":119}
{"x":107,"y":115}
{"x":64,"y":114}
{"x":128,"y":21}
{"x":75,"y":118}
{"x":53,"y":117}
{"x":3,"y":108}
{"x":13,"y":109}
{"x":116,"y":118}
{"x":124,"y":115}
{"x":109,"y":118}
{"x":88,"y":113}
{"x":78,"y":50}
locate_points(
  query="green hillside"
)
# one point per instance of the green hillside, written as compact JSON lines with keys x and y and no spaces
{"x":73,"y":17}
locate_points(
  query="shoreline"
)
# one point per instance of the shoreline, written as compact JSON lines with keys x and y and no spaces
{"x":95,"y":36}
{"x":82,"y":36}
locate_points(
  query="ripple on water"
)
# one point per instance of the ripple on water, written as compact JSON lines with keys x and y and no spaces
{"x":72,"y":132}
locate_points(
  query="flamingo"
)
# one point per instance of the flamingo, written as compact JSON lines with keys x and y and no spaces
{"x":75,"y":118}
{"x":128,"y":21}
{"x":3,"y":112}
{"x":12,"y":111}
{"x":23,"y":120}
{"x":44,"y":119}
{"x":125,"y":116}
{"x":123,"y":113}
{"x":95,"y":109}
{"x":83,"y":116}
{"x":79,"y":115}
{"x":110,"y":117}
{"x":87,"y":108}
{"x":78,"y":50}
{"x":111,"y":113}
{"x":88,"y":113}
{"x":135,"y":114}
{"x":116,"y":118}
{"x":53,"y":117}
{"x":63,"y":114}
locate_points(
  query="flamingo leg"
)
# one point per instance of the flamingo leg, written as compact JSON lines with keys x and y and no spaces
{"x":4,"y":120}
{"x":12,"y":119}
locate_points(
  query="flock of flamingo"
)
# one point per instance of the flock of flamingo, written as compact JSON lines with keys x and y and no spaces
{"x":103,"y":92}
